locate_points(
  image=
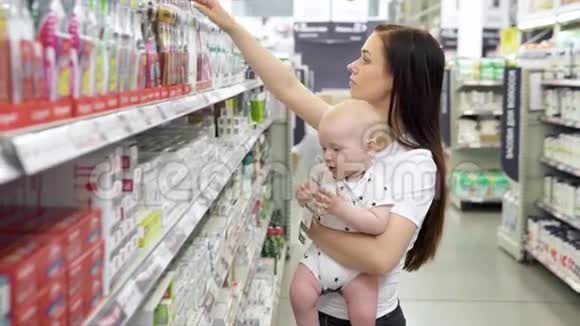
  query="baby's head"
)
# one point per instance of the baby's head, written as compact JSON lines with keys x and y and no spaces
{"x":350,"y":134}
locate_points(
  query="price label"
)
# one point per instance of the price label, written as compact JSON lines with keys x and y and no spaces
{"x":112,"y":127}
{"x":135,"y":120}
{"x":153,"y":115}
{"x":129,"y":297}
{"x":84,"y":135}
{"x":163,"y":255}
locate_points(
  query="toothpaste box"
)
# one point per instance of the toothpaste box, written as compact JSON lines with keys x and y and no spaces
{"x":85,"y":269}
{"x":47,"y":250}
{"x":76,"y":311}
{"x":26,"y":315}
{"x":52,"y":304}
{"x":76,"y":229}
{"x":18,"y":279}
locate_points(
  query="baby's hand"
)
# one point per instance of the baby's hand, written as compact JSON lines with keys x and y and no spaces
{"x":304,"y":193}
{"x":329,"y":202}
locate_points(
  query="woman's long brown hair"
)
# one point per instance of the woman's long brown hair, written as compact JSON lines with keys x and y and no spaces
{"x":417,"y":63}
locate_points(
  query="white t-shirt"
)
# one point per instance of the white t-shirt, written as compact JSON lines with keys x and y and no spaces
{"x":410,"y":175}
{"x":367,"y":192}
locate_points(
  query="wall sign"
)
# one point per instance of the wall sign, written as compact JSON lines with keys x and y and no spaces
{"x":329,"y":32}
{"x":349,"y":10}
{"x":312,"y":10}
{"x":448,"y":38}
{"x":510,"y":122}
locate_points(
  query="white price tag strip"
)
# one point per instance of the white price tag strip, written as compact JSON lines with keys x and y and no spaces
{"x":112,"y":127}
{"x":153,"y":115}
{"x":8,"y":171}
{"x":129,"y":297}
{"x":36,"y":155}
{"x":135,"y":120}
{"x":163,"y":255}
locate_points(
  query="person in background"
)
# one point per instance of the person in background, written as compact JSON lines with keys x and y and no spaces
{"x":399,"y":72}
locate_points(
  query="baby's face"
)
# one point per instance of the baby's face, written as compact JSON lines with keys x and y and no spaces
{"x":344,"y":152}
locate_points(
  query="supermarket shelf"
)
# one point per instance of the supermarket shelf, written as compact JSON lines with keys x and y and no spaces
{"x":481,"y":112}
{"x":477,"y":146}
{"x":562,"y":82}
{"x":8,"y":169}
{"x":556,"y":213}
{"x":244,"y":207}
{"x":247,"y":272}
{"x":574,"y":285}
{"x":278,"y":278}
{"x":538,"y":20}
{"x":459,"y":202}
{"x":561,"y":122}
{"x":561,"y":166}
{"x":510,"y":245}
{"x":141,"y":277}
{"x":38,"y":150}
{"x":479,"y":83}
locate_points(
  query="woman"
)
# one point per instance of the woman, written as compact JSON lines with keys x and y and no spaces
{"x":400,"y":72}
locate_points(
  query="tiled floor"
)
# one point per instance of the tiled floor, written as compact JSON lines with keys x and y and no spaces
{"x":473,"y":283}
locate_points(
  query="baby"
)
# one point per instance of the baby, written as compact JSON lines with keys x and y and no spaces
{"x":347,"y":192}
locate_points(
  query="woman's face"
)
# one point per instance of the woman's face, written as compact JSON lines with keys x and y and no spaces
{"x":370,"y":79}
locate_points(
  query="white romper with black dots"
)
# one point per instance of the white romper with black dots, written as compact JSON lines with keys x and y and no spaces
{"x":369,"y":191}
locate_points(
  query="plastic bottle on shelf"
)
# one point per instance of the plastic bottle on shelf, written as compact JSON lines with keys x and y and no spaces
{"x":57,"y":46}
{"x":20,"y":43}
{"x":127,"y":46}
{"x":139,"y":75}
{"x":279,"y":241}
{"x":113,"y":42}
{"x":101,"y":53}
{"x":85,"y":16}
{"x":152,"y":66}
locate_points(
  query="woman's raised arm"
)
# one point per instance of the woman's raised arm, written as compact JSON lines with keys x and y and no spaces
{"x":276,"y":75}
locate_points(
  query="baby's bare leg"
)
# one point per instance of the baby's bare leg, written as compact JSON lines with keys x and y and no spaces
{"x":304,"y":293}
{"x":361,"y":299}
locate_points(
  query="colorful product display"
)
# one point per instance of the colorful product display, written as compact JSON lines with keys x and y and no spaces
{"x":228,"y":240}
{"x":557,"y":246}
{"x":479,"y":186}
{"x":485,"y":69}
{"x":51,"y":265}
{"x":66,"y":59}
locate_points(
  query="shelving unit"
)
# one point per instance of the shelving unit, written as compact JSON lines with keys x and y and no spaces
{"x":575,"y":286}
{"x":560,"y":166}
{"x":557,"y":214}
{"x":41,"y":148}
{"x":468,"y":157}
{"x":481,"y":112}
{"x":477,"y":146}
{"x":522,"y":163}
{"x":139,"y":279}
{"x":560,"y":122}
{"x":562,"y":82}
{"x":479,"y":83}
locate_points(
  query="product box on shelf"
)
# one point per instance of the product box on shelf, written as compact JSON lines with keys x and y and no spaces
{"x":76,"y":310}
{"x":25,"y":315}
{"x":52,"y":304}
{"x":19,"y":271}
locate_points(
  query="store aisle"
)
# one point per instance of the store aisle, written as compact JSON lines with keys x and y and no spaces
{"x":473,"y":283}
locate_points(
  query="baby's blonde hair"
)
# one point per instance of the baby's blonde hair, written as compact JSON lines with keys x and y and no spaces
{"x":364,"y":120}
